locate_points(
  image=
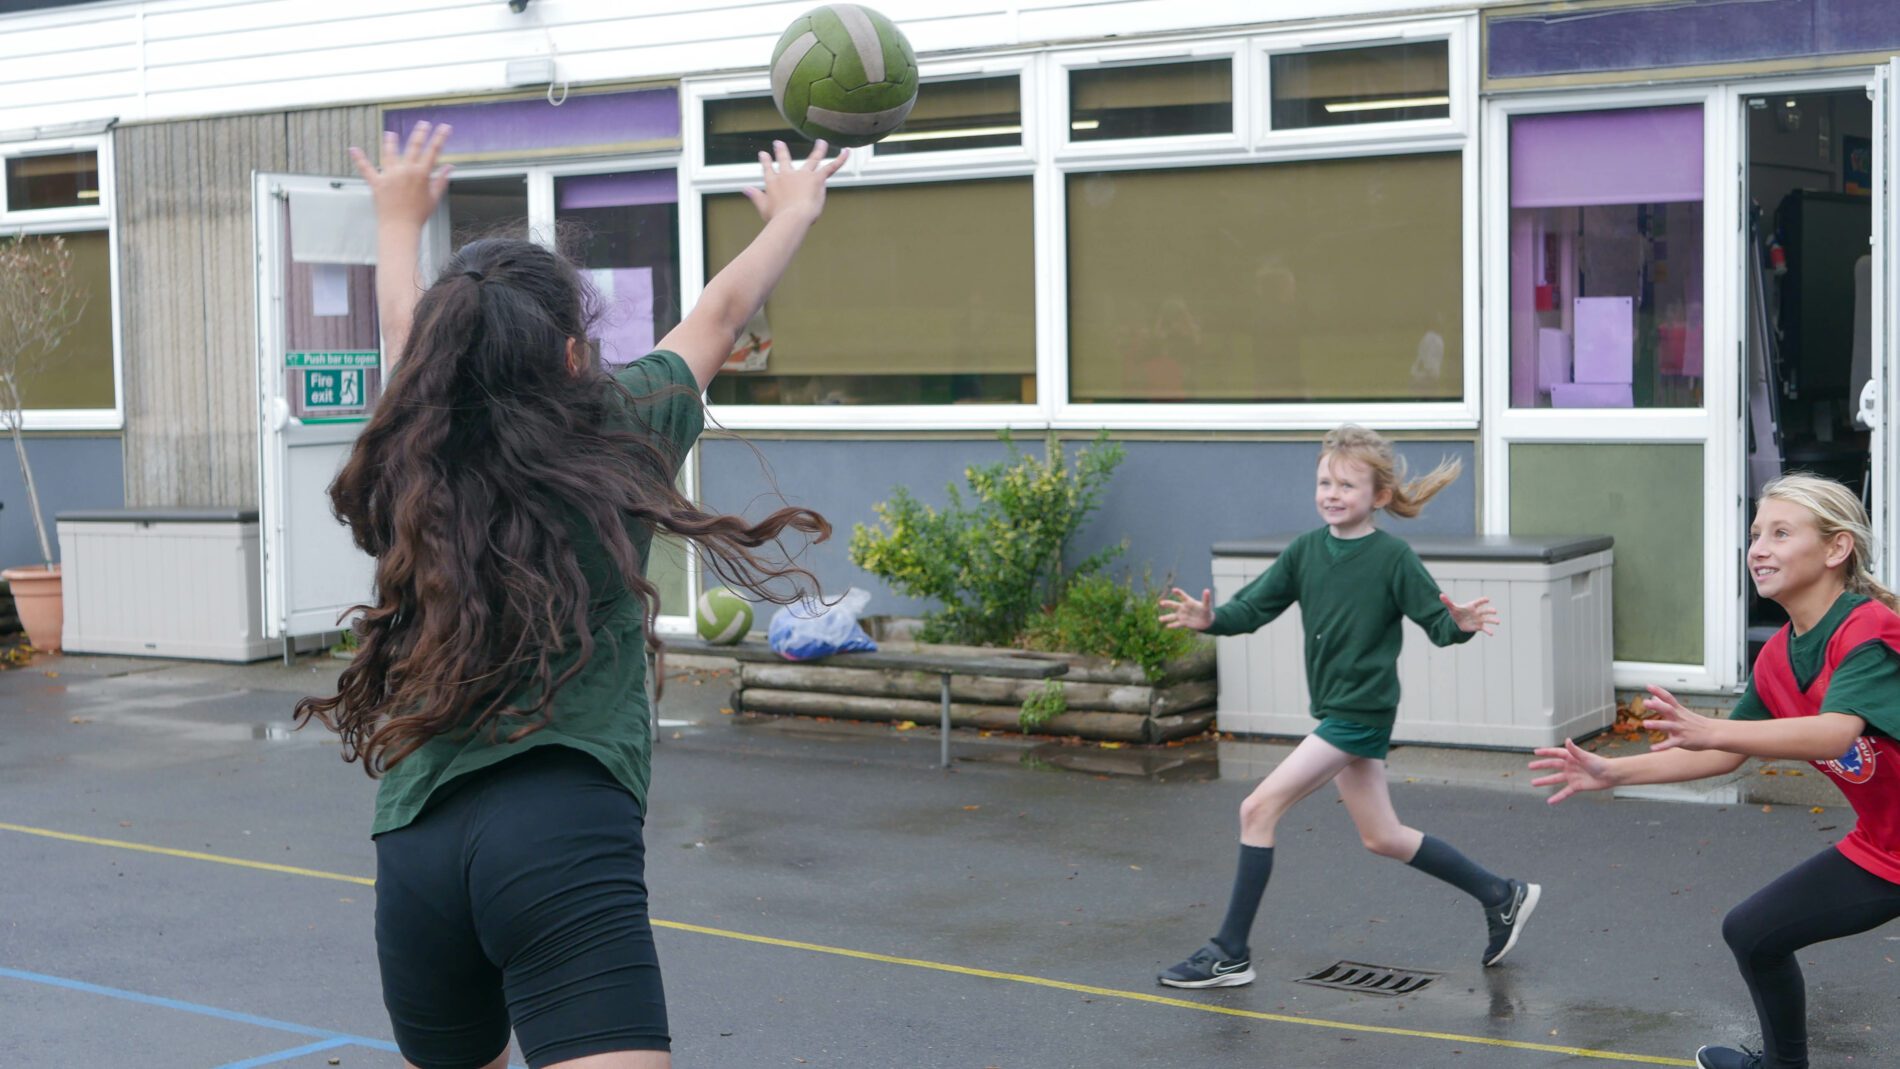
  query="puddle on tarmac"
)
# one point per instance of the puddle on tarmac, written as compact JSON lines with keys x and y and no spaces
{"x":274,"y":732}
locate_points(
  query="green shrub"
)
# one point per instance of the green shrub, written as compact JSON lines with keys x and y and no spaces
{"x":996,"y":561}
{"x":1106,"y":617}
{"x":1043,"y":706}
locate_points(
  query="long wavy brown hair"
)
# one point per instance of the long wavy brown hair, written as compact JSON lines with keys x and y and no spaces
{"x":485,"y":462}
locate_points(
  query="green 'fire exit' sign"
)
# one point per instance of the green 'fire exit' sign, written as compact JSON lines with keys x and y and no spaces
{"x":332,"y":389}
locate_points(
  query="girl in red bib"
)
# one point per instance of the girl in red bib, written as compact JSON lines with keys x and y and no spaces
{"x":1826,"y":689}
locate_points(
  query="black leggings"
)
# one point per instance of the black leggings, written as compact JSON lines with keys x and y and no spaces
{"x":1825,"y":897}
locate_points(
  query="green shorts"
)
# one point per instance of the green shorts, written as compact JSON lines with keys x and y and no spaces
{"x":1357,"y":739}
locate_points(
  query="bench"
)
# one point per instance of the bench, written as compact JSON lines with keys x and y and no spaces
{"x":944,"y":665}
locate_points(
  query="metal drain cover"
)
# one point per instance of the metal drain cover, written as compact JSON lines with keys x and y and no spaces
{"x":1360,"y":978}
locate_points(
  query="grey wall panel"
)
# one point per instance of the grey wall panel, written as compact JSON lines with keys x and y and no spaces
{"x":186,"y":286}
{"x":71,"y":473}
{"x":1170,"y":500}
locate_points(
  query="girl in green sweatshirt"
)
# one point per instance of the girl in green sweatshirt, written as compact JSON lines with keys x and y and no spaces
{"x":1353,"y":584}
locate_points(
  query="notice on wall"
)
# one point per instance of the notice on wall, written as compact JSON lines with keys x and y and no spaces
{"x":626,"y":324}
{"x":329,"y":289}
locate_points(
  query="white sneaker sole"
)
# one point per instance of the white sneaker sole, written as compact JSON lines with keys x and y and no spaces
{"x":1232,"y":979}
{"x":1532,"y":892}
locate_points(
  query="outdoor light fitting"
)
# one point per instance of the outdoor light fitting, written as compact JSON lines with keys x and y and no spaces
{"x":517,"y":6}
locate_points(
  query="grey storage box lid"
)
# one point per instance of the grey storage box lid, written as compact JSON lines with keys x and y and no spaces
{"x":1521,"y":549}
{"x":177,"y":515}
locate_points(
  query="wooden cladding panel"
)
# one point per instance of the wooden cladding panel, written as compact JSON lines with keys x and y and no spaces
{"x":187,"y":288}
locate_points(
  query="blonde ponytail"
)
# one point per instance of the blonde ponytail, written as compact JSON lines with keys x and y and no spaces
{"x":1352,"y":442}
{"x":1836,"y":509}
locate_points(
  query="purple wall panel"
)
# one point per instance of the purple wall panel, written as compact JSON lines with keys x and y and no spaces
{"x":1679,"y":34}
{"x":616,"y":190}
{"x":520,"y":126}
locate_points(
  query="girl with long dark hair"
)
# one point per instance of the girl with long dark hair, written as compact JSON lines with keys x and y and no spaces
{"x":509,"y":486}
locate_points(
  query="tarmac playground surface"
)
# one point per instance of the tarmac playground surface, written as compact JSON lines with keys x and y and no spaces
{"x":186,"y":883}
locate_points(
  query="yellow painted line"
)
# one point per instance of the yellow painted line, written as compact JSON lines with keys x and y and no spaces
{"x":934,"y":966}
{"x":193,"y":855}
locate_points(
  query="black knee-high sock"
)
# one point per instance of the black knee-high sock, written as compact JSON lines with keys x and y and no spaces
{"x":1250,"y":882}
{"x":1436,"y":857}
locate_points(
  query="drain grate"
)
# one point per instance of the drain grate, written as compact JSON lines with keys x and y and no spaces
{"x":1363,"y":979}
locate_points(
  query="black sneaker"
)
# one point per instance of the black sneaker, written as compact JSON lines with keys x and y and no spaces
{"x":1507,"y":918}
{"x":1727,"y":1058}
{"x":1209,"y":967}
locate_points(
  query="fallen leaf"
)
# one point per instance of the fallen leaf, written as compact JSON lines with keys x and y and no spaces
{"x":1770,"y":772}
{"x":1137,"y":868}
{"x":974,"y":808}
{"x":905,"y":725}
{"x":52,"y":675}
{"x":82,"y":720}
{"x":1110,"y":745}
{"x":725,"y":712}
{"x":1767,"y":809}
{"x":1817,"y":809}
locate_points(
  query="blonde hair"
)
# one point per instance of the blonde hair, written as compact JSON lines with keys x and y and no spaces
{"x":1353,"y":442}
{"x":1836,"y":509}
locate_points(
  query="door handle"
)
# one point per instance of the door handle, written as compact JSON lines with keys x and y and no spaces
{"x":279,"y":413}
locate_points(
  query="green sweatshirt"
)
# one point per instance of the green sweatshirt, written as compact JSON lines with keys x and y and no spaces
{"x":1351,"y":594}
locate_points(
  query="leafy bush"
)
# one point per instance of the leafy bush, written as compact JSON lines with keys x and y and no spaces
{"x":1106,"y":617}
{"x":1043,"y":706}
{"x":995,"y":562}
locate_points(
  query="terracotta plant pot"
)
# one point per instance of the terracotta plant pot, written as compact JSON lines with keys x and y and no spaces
{"x":36,"y":594}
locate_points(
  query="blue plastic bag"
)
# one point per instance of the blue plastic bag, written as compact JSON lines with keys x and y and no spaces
{"x":808,"y":628}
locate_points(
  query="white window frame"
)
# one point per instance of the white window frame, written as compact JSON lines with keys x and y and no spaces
{"x":540,"y":177}
{"x":1048,"y":157}
{"x":1713,"y":426}
{"x":865,"y":169}
{"x":55,"y":221}
{"x":1461,"y":78}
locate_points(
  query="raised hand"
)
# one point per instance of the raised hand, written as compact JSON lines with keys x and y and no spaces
{"x":1681,"y":728}
{"x":1572,"y":768}
{"x":1473,"y":615}
{"x":1183,"y":611}
{"x":409,"y":184}
{"x":792,"y":187}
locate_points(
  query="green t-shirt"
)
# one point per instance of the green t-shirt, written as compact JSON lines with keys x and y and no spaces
{"x":603,"y":710}
{"x":1865,"y":684}
{"x":1352,"y":594}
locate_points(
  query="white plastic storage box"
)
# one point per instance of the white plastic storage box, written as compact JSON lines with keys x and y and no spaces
{"x":164,"y":583}
{"x":1544,"y":676}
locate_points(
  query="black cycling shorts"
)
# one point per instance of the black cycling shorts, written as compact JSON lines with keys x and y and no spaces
{"x":520,"y":900}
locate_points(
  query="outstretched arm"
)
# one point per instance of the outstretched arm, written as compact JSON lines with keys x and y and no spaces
{"x":1801,"y":738}
{"x":790,"y":203}
{"x":406,"y":188}
{"x":1572,"y":768}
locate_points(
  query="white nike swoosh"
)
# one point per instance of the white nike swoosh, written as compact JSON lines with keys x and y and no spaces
{"x":1218,"y":971}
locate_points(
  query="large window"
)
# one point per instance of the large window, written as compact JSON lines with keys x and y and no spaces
{"x":1333,"y":280}
{"x":905,"y":295}
{"x":1606,"y":259}
{"x":1269,"y":231}
{"x":55,"y":193}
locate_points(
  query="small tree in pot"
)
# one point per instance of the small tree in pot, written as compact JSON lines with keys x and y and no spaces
{"x":40,"y":304}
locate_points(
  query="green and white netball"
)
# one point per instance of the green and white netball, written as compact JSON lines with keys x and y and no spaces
{"x":723,"y":617}
{"x":844,"y":73}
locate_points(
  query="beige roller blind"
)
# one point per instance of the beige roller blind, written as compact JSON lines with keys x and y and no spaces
{"x":900,"y":280}
{"x":1154,"y":86}
{"x":79,"y":373}
{"x":743,"y":115}
{"x":1386,"y":71}
{"x":1332,"y":280}
{"x":968,"y":101}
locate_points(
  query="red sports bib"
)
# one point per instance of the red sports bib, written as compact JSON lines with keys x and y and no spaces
{"x":1869,"y":772}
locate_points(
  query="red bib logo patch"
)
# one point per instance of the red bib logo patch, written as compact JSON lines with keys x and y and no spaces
{"x":1854,"y":766}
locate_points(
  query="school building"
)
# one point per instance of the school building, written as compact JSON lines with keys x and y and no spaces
{"x":1625,"y":259}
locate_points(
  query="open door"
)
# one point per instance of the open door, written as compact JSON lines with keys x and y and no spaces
{"x":319,"y":372}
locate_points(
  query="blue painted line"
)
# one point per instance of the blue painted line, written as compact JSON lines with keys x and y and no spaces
{"x":330,"y":1039}
{"x":286,"y":1055}
{"x":193,"y":1007}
